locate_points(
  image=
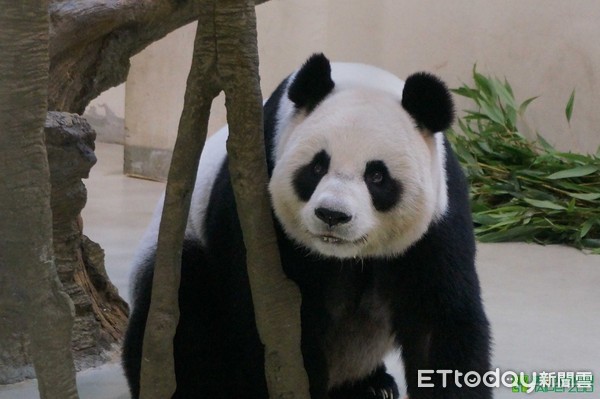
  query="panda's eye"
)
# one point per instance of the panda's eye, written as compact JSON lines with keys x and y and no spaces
{"x":319,"y":169}
{"x":376,"y":177}
{"x":307,"y":177}
{"x":385,"y":190}
{"x":376,"y":173}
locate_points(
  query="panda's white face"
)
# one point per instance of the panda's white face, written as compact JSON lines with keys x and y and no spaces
{"x":355,"y":177}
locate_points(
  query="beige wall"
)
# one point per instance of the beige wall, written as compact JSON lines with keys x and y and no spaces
{"x":544,"y":47}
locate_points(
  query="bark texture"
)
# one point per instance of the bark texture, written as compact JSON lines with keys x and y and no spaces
{"x":100,"y":314}
{"x":92,"y":41}
{"x":225,"y":58}
{"x":31,"y":295}
{"x":276,"y":298}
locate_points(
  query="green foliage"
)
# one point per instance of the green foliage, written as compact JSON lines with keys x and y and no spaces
{"x":569,"y":108}
{"x":524,"y":190}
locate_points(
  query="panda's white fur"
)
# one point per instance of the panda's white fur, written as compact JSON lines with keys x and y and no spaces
{"x":212,"y":158}
{"x":366,"y":99}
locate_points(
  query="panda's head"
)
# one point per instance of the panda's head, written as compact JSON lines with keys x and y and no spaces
{"x":359,"y":160}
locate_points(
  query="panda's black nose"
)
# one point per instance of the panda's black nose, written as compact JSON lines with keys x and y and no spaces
{"x":332,"y":217}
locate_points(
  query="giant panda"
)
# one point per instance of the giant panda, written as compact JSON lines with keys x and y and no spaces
{"x":373,"y":225}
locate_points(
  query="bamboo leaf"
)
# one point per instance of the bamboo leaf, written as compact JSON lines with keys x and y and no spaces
{"x":586,"y":227}
{"x":579,"y":171}
{"x":571,"y":206}
{"x":483,"y":83}
{"x":525,"y":104}
{"x":509,"y":88}
{"x":579,"y":158}
{"x":484,"y":220}
{"x":586,"y":197}
{"x":503,"y":95}
{"x":493,"y":113}
{"x":544,"y":204}
{"x":545,"y":144}
{"x":517,"y":233}
{"x":569,"y":108}
{"x":467,"y":92}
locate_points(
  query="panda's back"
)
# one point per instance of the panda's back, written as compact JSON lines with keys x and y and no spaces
{"x":210,"y":168}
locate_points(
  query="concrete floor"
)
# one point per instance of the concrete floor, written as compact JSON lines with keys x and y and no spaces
{"x":543,"y":302}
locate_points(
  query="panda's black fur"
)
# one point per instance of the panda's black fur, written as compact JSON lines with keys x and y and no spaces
{"x":431,"y":291}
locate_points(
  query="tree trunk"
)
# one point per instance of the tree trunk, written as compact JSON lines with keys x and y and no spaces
{"x":225,"y":57}
{"x":276,"y":298}
{"x":31,"y":295}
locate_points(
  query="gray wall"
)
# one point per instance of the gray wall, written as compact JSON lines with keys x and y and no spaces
{"x":106,"y":114}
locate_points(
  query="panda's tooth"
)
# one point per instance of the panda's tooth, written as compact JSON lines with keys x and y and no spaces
{"x":330,"y":240}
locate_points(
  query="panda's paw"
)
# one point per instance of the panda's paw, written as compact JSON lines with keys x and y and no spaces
{"x":369,"y":393}
{"x":382,"y":393}
{"x":380,"y":385}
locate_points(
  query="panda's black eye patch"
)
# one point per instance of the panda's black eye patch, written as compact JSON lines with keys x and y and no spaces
{"x":307,"y":178}
{"x":385,"y":191}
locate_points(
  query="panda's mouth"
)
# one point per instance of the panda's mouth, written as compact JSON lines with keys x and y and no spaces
{"x":331,"y":239}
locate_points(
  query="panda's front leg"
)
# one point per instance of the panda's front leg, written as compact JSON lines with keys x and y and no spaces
{"x":436,"y":361}
{"x":315,"y":362}
{"x":378,"y":385}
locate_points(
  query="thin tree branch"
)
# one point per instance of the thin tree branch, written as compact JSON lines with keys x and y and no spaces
{"x":157,"y":369}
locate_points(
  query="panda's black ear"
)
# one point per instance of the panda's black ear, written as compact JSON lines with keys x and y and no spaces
{"x":427,"y":99}
{"x":312,"y":83}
